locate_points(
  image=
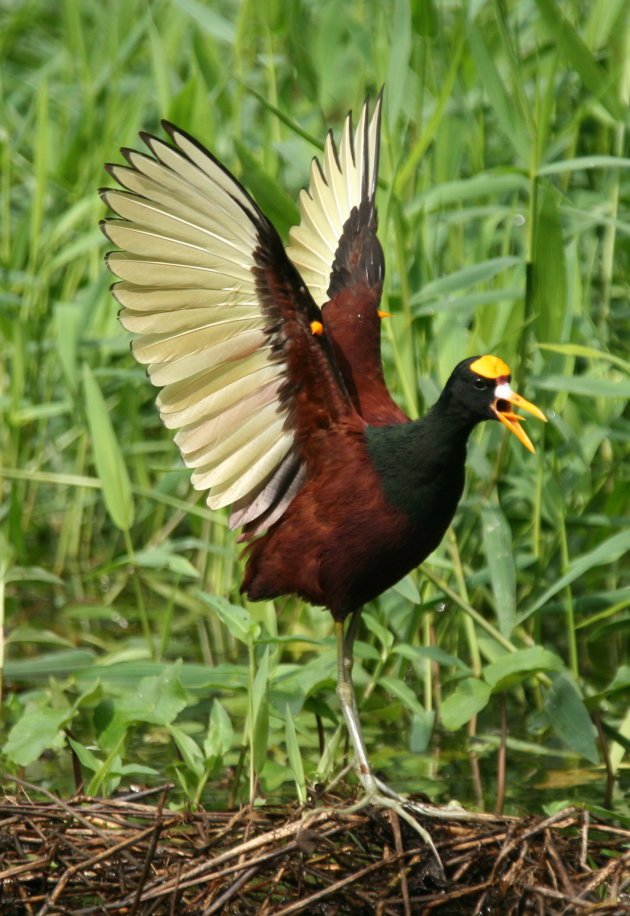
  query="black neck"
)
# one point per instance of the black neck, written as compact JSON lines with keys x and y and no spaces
{"x":421,"y":464}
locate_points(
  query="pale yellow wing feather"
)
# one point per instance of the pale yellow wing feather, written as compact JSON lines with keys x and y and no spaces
{"x":228,"y":321}
{"x":336,"y":187}
{"x":248,"y":470}
{"x":156,"y":300}
{"x":188,"y":237}
{"x":204,"y":430}
{"x":210,"y":393}
{"x":219,"y":454}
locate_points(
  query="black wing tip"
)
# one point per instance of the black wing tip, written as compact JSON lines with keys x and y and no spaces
{"x":111,"y":219}
{"x":110,"y":168}
{"x":378,"y":114}
{"x":103,"y":226}
{"x":378,"y":108}
{"x":378,"y":101}
{"x":148,"y":139}
{"x":104,"y":193}
{"x":129,"y":153}
{"x":368,"y":189}
{"x":173,"y":130}
{"x":331,"y":137}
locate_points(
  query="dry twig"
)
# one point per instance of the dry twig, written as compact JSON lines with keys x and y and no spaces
{"x":114,"y":856}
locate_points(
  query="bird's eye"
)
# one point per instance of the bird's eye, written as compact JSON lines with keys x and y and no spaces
{"x":480,"y":384}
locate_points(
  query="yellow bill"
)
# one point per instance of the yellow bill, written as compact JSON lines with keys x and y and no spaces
{"x":503,"y":393}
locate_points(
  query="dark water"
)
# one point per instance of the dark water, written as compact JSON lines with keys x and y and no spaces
{"x":455,"y":767}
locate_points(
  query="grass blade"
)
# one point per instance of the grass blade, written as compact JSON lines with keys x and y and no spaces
{"x":607,"y":552}
{"x":549,"y":280}
{"x":569,"y":717}
{"x":294,"y":756}
{"x":593,"y":75}
{"x":497,"y":541}
{"x":108,"y":459}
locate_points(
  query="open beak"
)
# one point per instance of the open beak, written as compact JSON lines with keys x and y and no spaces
{"x":502,"y":394}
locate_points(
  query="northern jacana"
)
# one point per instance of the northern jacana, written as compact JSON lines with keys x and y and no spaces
{"x":270,"y":368}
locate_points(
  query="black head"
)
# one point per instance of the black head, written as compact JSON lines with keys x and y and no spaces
{"x":480,"y":386}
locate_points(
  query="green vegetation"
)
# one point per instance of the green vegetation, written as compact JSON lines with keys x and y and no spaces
{"x":505,"y":188}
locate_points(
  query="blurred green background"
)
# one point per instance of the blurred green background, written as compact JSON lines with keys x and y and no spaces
{"x":503,"y":205}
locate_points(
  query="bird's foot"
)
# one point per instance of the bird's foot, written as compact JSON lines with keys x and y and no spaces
{"x":451,"y":811}
{"x":378,"y":799}
{"x":380,"y":795}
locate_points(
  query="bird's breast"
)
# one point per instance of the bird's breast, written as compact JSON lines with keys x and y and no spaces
{"x":343,"y":540}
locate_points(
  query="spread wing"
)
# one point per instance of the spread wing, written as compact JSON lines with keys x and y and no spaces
{"x":223,"y":323}
{"x":338,"y":254}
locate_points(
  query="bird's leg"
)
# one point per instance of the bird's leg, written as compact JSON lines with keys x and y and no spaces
{"x":348,"y":703}
{"x":347,"y":700}
{"x":376,"y":792}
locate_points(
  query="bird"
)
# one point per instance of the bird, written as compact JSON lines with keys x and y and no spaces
{"x":268,"y":358}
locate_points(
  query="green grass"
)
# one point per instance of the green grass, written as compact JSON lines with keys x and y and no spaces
{"x":503,"y":202}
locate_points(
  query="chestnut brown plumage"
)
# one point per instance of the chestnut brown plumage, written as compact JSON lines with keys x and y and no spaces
{"x":270,"y":367}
